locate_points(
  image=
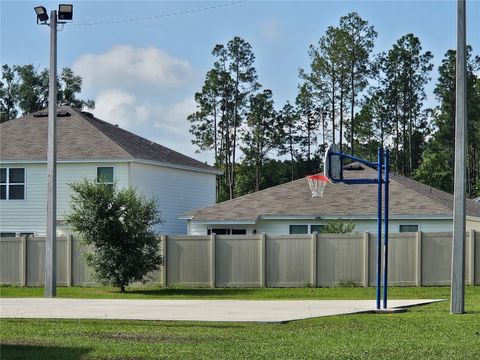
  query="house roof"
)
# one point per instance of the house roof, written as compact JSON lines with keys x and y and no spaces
{"x":80,"y":136}
{"x":407,"y":197}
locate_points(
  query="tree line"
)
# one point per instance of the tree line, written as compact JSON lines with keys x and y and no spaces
{"x":347,"y":95}
{"x":24,"y":89}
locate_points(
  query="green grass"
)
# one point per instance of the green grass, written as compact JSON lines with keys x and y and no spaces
{"x":425,"y":332}
{"x":155,"y":292}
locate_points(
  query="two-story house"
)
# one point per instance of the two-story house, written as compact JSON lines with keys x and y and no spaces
{"x":88,"y":147}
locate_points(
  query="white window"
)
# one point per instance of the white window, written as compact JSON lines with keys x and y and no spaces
{"x":12,"y":184}
{"x":298,"y":229}
{"x":8,"y":234}
{"x":11,"y":234}
{"x":316,"y":228}
{"x":304,"y":229}
{"x":239,"y":232}
{"x":106,"y":175}
{"x":226,"y":231}
{"x":408,"y":228}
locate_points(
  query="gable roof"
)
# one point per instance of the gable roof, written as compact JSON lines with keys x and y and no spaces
{"x":407,"y":197}
{"x":81,"y":136}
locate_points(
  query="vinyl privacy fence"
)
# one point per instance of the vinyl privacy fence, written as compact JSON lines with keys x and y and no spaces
{"x":415,"y":259}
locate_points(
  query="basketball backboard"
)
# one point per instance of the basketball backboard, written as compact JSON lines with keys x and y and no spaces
{"x":332,"y":164}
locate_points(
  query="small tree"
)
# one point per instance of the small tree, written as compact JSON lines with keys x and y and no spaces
{"x":118,"y":225}
{"x":338,"y":226}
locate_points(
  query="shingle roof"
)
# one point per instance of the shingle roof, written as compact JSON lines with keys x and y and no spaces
{"x":407,"y":197}
{"x":80,"y":135}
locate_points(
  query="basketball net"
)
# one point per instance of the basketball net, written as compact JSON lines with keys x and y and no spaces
{"x":317,"y":183}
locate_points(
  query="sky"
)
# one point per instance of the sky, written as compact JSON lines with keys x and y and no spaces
{"x":142,"y":62}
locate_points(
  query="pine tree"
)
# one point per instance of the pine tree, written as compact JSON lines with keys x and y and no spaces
{"x":223,"y":106}
{"x":406,"y":71}
{"x":244,"y":76}
{"x":289,"y":126}
{"x":359,"y":41}
{"x":323,"y":76}
{"x":308,"y":123}
{"x":261,"y":134}
{"x":437,"y":166}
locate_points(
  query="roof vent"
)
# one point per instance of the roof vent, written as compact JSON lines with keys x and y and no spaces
{"x":86,"y":113}
{"x":116,"y":125}
{"x":45,"y":114}
{"x":353,"y":166}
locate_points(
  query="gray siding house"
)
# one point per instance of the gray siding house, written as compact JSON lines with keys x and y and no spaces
{"x":88,"y":148}
{"x":290,"y":209}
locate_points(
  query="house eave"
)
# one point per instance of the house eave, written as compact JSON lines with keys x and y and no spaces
{"x":353,"y":216}
{"x":181,"y":167}
{"x":224,"y":222}
{"x":314,"y":217}
{"x":116,"y":160}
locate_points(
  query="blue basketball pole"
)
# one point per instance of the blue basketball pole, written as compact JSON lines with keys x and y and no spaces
{"x":385,"y":233}
{"x":379,"y":226}
{"x":382,"y":164}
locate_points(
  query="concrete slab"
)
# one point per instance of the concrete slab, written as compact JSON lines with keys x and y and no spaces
{"x":189,"y":310}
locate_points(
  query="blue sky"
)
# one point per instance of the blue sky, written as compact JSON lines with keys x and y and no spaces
{"x":143,"y":74}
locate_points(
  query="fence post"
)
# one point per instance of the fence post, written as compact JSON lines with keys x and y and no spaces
{"x":366,"y":259}
{"x":472,"y":257}
{"x":262,"y":260}
{"x":163,"y":240}
{"x":418,"y":267}
{"x":23,"y":263}
{"x":212,"y":259}
{"x":69,"y":257}
{"x":313,"y":262}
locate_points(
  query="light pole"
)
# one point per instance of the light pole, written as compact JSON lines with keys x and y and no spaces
{"x":65,"y":12}
{"x":457,"y":305}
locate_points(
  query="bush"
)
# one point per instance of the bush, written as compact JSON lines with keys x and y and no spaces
{"x":117,"y":226}
{"x":338,"y":226}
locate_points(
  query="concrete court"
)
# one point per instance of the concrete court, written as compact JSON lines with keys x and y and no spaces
{"x":188,"y":310}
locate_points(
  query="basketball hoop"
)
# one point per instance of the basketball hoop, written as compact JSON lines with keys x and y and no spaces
{"x":317,"y":183}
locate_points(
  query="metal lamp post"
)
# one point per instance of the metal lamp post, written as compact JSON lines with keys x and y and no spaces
{"x":457,"y":305}
{"x":65,"y":13}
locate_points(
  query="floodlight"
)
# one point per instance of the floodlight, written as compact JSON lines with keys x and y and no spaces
{"x":42,"y":15}
{"x":65,"y":12}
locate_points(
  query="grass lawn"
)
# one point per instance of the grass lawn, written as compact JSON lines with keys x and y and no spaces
{"x":425,"y":332}
{"x":156,"y":292}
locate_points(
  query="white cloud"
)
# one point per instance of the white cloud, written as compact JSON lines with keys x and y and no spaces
{"x":130,"y":68}
{"x":174,"y":117}
{"x":164,"y":124}
{"x":124,"y":109}
{"x":127,"y":84}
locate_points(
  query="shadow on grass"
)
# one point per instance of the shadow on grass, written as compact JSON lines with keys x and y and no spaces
{"x":18,"y":351}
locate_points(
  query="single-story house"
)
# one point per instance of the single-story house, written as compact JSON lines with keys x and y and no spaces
{"x":290,"y":208}
{"x":88,"y":147}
